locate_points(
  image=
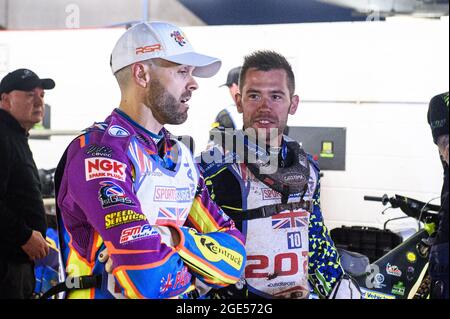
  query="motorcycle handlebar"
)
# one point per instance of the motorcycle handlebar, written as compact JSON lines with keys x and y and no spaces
{"x":409,"y":206}
{"x":373,"y":198}
{"x":384,"y":200}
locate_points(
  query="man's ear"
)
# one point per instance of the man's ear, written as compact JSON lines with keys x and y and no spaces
{"x":238,"y":98}
{"x":234,"y":89}
{"x":140,"y":73}
{"x":294,"y":104}
{"x":5,"y":102}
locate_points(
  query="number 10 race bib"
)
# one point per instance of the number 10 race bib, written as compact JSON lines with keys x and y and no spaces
{"x":277,"y":255}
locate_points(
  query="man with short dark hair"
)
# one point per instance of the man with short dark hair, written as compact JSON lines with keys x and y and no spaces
{"x":22,"y":214}
{"x":270,"y":187}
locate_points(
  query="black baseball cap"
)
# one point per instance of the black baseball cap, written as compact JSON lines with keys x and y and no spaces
{"x":233,"y":76}
{"x":438,"y":115}
{"x":24,"y":80}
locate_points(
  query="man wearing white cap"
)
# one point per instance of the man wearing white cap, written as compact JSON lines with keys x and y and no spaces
{"x":126,"y":189}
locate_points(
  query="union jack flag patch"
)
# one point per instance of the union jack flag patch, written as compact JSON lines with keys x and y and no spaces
{"x":173,"y":215}
{"x":290,"y":220}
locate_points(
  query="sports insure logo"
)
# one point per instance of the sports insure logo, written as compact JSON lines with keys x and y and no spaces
{"x":172,"y":194}
{"x":100,"y":167}
{"x":270,"y":194}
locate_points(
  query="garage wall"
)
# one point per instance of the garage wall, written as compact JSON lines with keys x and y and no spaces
{"x":374,"y":78}
{"x":62,"y":14}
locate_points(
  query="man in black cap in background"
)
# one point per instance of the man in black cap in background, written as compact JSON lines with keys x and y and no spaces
{"x":438,"y":119}
{"x":229,"y":117}
{"x":22,"y":213}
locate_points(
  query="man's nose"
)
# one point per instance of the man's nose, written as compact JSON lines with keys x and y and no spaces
{"x":264,"y":104}
{"x":38,"y":96}
{"x":192,"y":85}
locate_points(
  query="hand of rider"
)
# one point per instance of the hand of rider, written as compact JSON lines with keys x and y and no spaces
{"x":103,"y":257}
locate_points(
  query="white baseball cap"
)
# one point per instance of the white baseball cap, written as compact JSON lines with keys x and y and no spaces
{"x":148,"y":40}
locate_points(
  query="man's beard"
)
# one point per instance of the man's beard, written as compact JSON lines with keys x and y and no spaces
{"x":165,"y":108}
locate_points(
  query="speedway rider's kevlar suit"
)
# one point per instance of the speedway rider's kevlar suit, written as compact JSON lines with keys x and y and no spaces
{"x":285,"y":249}
{"x":114,"y":184}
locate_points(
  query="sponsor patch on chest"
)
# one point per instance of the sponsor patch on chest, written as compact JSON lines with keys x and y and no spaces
{"x":137,"y":233}
{"x":270,"y":194}
{"x":172,"y":194}
{"x":100,"y":167}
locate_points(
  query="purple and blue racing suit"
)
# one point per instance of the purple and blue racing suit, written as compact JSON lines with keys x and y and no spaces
{"x":117,"y":186}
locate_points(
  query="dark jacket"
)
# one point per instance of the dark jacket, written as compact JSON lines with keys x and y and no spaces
{"x":21,"y":206}
{"x":438,"y":119}
{"x":443,"y":231}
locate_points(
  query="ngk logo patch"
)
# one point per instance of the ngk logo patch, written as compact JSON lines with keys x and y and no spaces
{"x":100,"y":167}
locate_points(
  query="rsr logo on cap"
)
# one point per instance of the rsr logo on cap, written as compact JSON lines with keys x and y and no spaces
{"x":148,"y":49}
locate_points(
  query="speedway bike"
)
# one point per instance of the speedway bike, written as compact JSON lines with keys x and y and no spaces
{"x":402,"y":273}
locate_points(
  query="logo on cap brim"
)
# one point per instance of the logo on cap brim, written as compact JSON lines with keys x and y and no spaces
{"x":178,"y":37}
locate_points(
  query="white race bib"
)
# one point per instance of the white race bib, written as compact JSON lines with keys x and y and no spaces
{"x":277,"y":246}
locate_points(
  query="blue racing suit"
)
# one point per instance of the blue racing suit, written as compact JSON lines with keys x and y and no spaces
{"x":284,"y":250}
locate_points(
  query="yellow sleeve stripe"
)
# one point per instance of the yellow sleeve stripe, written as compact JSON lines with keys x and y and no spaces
{"x":212,"y":273}
{"x":201,"y":217}
{"x":81,"y":294}
{"x":75,"y":268}
{"x":209,"y":281}
{"x":78,"y":266}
